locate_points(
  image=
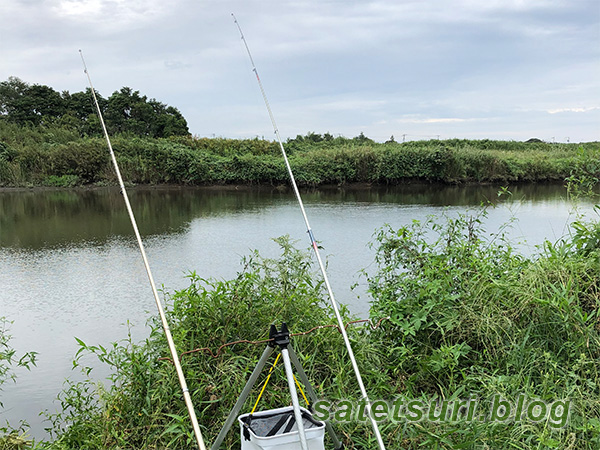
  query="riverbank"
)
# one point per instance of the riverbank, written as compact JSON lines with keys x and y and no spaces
{"x":470,"y":318}
{"x":87,"y":274}
{"x":61,"y":158}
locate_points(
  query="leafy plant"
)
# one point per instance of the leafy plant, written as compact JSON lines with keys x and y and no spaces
{"x":62,"y":181}
{"x":469,"y":314}
{"x":585,"y":174}
{"x":143,"y":408}
{"x":12,"y":438}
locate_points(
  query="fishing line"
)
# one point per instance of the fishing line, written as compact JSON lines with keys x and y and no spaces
{"x":315,"y":248}
{"x":208,"y":351}
{"x":186,"y":393}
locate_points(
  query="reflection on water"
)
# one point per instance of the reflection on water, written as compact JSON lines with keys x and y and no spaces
{"x":37,"y":219}
{"x":69,"y":266}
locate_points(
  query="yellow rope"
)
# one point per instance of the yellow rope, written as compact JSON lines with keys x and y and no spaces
{"x":267,"y":382}
{"x":265,"y":385}
{"x":301,"y":391}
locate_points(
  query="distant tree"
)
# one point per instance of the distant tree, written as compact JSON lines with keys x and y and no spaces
{"x":81,"y":112}
{"x":362,"y":139}
{"x":10,"y":91}
{"x":391,"y":140}
{"x":81,"y":104}
{"x":313,"y":137}
{"x":30,"y":104}
{"x":128,"y":111}
{"x":171,"y":122}
{"x":125,"y":111}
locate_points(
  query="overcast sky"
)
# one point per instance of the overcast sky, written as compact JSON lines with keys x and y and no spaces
{"x":498,"y":69}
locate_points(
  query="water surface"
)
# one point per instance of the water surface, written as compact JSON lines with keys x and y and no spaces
{"x":69,"y":265}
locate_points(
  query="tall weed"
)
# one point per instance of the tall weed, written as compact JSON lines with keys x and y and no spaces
{"x":143,"y":407}
{"x":37,"y":153}
{"x":11,"y":437}
{"x":469,"y":315}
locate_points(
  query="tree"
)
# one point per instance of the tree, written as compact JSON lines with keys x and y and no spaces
{"x":129,"y":112}
{"x":362,"y":139}
{"x":125,"y":111}
{"x":30,"y":104}
{"x":10,"y":91}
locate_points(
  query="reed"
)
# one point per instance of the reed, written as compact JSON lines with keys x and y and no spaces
{"x":41,"y":156}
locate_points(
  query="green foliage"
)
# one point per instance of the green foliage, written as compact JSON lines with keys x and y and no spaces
{"x":30,"y":155}
{"x":585,"y":173}
{"x":469,"y":315}
{"x":8,"y":355}
{"x":585,"y":238}
{"x":62,"y":181}
{"x":12,"y":438}
{"x":129,"y":112}
{"x":7,"y":154}
{"x":36,"y":117}
{"x":125,"y":111}
{"x":144,"y":408}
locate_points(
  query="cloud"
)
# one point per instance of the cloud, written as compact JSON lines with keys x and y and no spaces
{"x":500,"y":67}
{"x":574,"y":110}
{"x":436,"y":120}
{"x":122,"y":13}
{"x":175,"y":65}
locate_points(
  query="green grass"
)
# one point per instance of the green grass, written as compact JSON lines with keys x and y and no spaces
{"x":469,"y":317}
{"x":32,"y":155}
{"x":473,"y":316}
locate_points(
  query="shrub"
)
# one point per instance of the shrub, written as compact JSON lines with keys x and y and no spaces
{"x":144,"y":409}
{"x":469,"y":315}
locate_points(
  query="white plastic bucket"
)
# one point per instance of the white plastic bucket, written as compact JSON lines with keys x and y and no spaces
{"x":276,"y":429}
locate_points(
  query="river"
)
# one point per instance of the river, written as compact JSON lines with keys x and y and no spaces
{"x":69,"y":265}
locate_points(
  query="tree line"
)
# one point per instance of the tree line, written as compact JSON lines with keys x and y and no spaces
{"x":125,"y":111}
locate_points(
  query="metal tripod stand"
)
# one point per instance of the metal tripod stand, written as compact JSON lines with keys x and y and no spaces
{"x":281,"y":339}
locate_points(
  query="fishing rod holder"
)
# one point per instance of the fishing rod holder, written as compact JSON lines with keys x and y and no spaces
{"x":300,"y":430}
{"x":280,"y":338}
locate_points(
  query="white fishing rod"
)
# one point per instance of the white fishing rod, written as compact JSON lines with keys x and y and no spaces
{"x":163,"y":318}
{"x":315,"y":247}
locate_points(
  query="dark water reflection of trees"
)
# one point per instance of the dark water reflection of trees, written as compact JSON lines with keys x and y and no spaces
{"x":47,"y":218}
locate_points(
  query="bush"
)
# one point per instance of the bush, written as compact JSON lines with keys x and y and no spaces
{"x":469,"y":315}
{"x":62,"y":181}
{"x":87,"y":160}
{"x":144,"y":408}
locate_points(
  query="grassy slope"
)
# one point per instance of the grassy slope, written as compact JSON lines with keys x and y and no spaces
{"x":469,"y":317}
{"x":59,"y":157}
